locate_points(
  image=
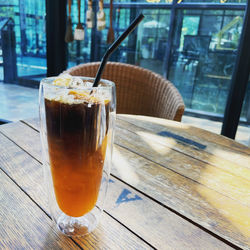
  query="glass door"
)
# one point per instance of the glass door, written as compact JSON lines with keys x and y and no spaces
{"x":24,"y":46}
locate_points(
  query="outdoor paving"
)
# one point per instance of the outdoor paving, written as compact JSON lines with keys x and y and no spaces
{"x":18,"y":102}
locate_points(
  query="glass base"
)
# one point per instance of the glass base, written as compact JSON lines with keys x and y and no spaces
{"x":77,"y":226}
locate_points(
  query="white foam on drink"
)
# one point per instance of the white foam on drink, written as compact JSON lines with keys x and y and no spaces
{"x":74,"y":90}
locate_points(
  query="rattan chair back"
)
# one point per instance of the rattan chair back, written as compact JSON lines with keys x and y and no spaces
{"x":139,"y":91}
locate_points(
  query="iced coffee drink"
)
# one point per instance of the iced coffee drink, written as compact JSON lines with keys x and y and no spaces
{"x":77,"y":123}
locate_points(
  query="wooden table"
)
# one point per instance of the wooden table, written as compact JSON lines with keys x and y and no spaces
{"x":172,"y":186}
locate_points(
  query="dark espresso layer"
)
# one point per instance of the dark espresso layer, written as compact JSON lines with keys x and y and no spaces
{"x":75,"y":125}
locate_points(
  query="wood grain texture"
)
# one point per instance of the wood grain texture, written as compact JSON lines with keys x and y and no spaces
{"x":17,"y":132}
{"x":221,"y":181}
{"x":185,"y":195}
{"x":141,"y":215}
{"x":28,"y":173}
{"x":23,"y":225}
{"x":207,"y":155}
{"x":33,"y":123}
{"x":153,"y":222}
{"x":227,"y":152}
{"x":217,"y":145}
{"x":216,"y":212}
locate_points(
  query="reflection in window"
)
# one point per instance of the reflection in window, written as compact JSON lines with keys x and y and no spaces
{"x":204,"y":57}
{"x":30,"y":35}
{"x":202,"y":50}
{"x":189,"y":27}
{"x":215,"y":1}
{"x":152,"y":39}
{"x":245,"y":112}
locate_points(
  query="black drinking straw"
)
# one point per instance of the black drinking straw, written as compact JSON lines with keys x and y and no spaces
{"x":114,"y":46}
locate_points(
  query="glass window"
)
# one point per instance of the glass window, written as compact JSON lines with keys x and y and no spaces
{"x":204,"y":56}
{"x":243,"y":131}
{"x":79,"y":51}
{"x":28,"y":40}
{"x":152,"y":39}
{"x":245,"y":114}
{"x":202,"y":51}
{"x":146,"y":46}
{"x":214,"y":1}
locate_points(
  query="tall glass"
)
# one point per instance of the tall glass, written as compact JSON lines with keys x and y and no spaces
{"x":77,"y":139}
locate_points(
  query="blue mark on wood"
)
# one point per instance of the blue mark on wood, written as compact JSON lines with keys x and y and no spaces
{"x":104,"y":179}
{"x":124,"y":197}
{"x":182,"y":139}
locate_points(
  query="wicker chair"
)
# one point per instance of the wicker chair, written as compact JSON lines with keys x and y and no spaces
{"x":139,"y":91}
